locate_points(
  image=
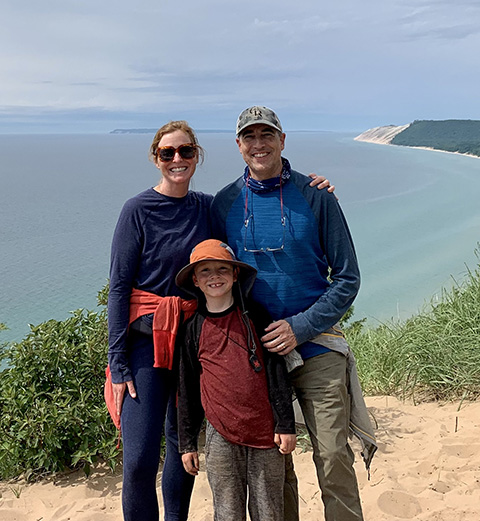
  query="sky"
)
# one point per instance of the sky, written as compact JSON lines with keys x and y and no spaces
{"x":69,"y":66}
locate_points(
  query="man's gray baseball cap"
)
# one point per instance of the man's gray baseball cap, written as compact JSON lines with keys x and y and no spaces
{"x":255,"y":115}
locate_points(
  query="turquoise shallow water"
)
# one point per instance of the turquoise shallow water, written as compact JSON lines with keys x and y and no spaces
{"x":414,"y":215}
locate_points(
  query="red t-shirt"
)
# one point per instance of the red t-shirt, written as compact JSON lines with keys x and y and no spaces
{"x":234,"y":396}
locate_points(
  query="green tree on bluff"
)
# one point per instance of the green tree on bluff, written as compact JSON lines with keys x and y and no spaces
{"x":453,"y":135}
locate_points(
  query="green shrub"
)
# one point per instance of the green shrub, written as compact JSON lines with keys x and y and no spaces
{"x":52,"y":412}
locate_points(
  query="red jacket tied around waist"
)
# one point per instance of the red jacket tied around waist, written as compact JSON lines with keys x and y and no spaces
{"x":168,"y":313}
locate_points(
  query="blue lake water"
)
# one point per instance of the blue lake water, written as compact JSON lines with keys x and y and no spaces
{"x":414,"y":215}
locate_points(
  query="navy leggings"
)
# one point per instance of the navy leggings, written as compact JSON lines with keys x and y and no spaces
{"x":143,"y":421}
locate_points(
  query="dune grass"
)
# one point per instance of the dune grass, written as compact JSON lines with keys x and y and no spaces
{"x":432,"y":355}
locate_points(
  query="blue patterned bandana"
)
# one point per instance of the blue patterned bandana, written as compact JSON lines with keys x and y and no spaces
{"x":268,"y":185}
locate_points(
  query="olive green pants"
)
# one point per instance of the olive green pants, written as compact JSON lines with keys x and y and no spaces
{"x":321,"y":389}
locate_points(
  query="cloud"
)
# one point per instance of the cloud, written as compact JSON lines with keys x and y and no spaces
{"x":374,"y":57}
{"x":312,"y":24}
{"x":442,"y":20}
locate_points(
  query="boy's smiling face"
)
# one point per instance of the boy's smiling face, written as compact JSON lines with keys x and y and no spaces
{"x":215,"y":279}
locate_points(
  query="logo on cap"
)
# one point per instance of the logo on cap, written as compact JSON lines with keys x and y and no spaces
{"x":256,"y":113}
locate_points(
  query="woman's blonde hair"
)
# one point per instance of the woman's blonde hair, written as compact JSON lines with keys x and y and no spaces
{"x":170,"y":127}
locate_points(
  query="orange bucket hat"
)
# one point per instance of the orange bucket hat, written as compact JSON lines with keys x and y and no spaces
{"x":210,"y":250}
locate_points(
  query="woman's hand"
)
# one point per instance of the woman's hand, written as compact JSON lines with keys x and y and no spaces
{"x":119,"y":392}
{"x":286,"y":442}
{"x":191,"y":463}
{"x":321,"y":182}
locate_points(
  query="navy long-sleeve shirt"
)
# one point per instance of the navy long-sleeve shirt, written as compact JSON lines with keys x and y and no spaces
{"x":151,"y":243}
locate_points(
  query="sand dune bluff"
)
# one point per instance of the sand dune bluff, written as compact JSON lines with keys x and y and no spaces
{"x":382,"y":135}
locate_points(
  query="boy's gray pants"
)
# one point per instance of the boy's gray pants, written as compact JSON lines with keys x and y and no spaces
{"x":232,"y":470}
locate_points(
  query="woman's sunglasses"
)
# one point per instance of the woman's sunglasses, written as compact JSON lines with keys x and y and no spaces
{"x":187,"y":151}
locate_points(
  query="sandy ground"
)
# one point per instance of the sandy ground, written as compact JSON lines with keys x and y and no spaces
{"x":427,"y":468}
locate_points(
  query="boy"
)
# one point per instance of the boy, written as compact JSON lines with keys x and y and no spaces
{"x":226,"y":376}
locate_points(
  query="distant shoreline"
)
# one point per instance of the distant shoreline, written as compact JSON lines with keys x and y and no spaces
{"x":203,"y":131}
{"x":378,"y":142}
{"x":154,"y":130}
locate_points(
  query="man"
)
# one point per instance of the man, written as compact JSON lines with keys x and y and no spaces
{"x":298,"y":240}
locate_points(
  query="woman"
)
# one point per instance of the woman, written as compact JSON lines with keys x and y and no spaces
{"x":155,"y":233}
{"x":154,"y":236}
